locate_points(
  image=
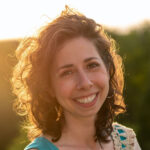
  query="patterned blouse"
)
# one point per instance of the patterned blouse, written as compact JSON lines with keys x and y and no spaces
{"x":124,"y":138}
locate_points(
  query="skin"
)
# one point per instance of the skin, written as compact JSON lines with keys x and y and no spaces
{"x":78,"y":72}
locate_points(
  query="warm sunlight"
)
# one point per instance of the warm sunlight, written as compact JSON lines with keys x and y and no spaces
{"x":105,"y":72}
{"x":19,"y":18}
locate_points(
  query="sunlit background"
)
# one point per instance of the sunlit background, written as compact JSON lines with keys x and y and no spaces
{"x":19,"y":18}
{"x":127,"y":21}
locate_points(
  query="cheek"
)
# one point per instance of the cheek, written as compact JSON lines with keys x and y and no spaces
{"x":101,"y":79}
{"x":63,"y":89}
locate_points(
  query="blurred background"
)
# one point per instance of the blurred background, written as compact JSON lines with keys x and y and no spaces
{"x":127,"y":21}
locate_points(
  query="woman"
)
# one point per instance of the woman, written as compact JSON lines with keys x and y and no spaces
{"x":69,"y":83}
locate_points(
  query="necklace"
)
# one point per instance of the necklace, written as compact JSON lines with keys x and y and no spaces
{"x":100,"y":145}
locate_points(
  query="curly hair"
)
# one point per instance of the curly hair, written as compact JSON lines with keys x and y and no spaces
{"x":31,"y":81}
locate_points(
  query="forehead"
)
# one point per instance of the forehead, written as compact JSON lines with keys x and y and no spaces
{"x":76,"y":50}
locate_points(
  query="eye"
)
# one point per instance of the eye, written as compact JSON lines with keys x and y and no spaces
{"x":93,"y":65}
{"x":66,"y":73}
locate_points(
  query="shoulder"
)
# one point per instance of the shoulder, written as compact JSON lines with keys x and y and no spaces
{"x":124,"y":137}
{"x":41,"y":143}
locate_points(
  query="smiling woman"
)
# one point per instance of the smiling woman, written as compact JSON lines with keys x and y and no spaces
{"x":69,"y":83}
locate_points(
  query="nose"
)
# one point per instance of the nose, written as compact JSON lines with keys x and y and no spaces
{"x":83,"y":81}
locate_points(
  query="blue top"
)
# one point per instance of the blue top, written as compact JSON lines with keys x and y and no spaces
{"x":41,"y":143}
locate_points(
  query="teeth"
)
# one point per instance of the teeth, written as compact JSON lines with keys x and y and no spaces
{"x":87,"y":99}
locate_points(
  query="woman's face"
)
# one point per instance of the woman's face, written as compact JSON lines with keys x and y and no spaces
{"x":80,"y":81}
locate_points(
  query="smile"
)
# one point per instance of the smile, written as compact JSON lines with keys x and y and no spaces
{"x":86,"y":100}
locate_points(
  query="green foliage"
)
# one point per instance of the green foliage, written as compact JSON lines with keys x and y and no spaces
{"x":19,"y":142}
{"x":134,"y":48}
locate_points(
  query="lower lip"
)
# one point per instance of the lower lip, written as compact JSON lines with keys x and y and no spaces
{"x":86,"y":105}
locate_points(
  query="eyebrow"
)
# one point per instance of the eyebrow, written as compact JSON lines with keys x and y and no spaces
{"x":71,"y":65}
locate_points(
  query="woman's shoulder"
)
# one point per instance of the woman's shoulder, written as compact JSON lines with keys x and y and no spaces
{"x":124,"y":137}
{"x":41,"y":143}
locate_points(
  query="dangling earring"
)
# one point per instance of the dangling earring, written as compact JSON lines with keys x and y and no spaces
{"x":110,"y":96}
{"x":59,"y":112}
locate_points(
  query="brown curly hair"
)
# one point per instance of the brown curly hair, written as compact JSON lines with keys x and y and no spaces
{"x":31,"y":81}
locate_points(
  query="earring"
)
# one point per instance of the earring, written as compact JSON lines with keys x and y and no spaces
{"x":59,"y":112}
{"x":109,"y":96}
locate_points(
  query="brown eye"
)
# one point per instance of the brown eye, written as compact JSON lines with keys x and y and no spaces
{"x":67,"y":73}
{"x":93,"y":65}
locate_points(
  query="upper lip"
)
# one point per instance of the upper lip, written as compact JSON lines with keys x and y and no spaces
{"x":85,"y":95}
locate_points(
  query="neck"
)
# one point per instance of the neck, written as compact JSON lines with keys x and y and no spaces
{"x":79,"y":130}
